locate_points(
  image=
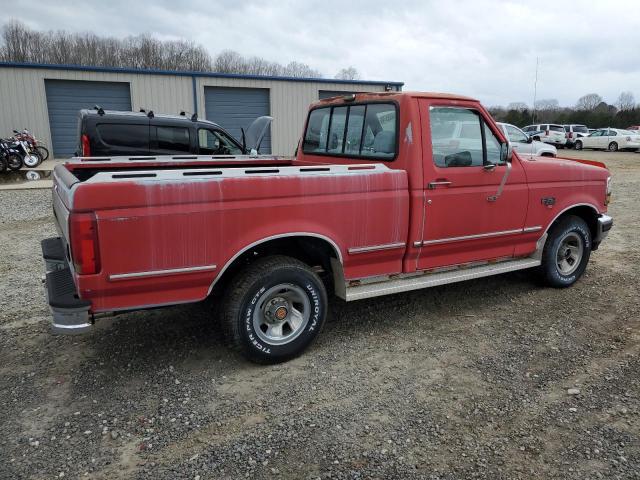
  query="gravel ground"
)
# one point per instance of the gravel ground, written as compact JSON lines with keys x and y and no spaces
{"x":496,"y":379}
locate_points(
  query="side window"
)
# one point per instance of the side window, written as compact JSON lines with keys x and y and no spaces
{"x":612,"y":133}
{"x":353,"y":130}
{"x":456,"y":137}
{"x":123,"y":135}
{"x":214,"y":142}
{"x":515,"y":135}
{"x":567,"y":128}
{"x":173,"y":138}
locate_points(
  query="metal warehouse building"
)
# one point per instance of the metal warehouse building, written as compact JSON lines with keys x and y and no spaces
{"x":46,"y":98}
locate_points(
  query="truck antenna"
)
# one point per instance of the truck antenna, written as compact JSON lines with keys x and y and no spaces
{"x":535,"y":91}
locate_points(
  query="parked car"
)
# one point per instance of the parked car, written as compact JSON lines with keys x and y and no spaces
{"x":611,"y":139}
{"x":526,"y":145}
{"x":377,"y":201}
{"x":634,"y":128}
{"x":573,"y":132}
{"x":552,"y":133}
{"x":105,"y":133}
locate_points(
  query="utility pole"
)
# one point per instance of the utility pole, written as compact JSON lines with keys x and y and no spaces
{"x":535,"y":91}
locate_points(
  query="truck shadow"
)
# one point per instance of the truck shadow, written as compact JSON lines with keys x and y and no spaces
{"x":190,"y":333}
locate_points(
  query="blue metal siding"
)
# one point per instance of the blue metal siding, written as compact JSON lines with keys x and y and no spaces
{"x":235,"y":108}
{"x":66,"y":97}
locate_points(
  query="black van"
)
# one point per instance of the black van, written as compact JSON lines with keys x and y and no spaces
{"x":106,"y":133}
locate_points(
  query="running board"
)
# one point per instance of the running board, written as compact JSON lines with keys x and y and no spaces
{"x":416,"y":282}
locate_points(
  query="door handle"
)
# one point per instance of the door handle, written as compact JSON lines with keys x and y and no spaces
{"x":437,"y":183}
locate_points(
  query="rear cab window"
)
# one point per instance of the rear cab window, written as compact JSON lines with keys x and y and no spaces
{"x":358,"y":131}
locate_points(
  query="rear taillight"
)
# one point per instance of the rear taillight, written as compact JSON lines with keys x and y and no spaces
{"x":83,"y":233}
{"x":86,"y":146}
{"x":546,"y":132}
{"x":570,"y":134}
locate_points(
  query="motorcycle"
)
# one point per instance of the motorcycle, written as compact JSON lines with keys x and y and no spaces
{"x":30,"y":156}
{"x":10,"y":157}
{"x":33,"y":143}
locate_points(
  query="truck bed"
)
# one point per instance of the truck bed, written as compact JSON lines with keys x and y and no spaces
{"x":181,"y":221}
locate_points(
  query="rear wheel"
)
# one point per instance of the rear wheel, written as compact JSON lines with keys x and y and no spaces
{"x":274,"y":309}
{"x":32,"y":160}
{"x":14,"y":162}
{"x":578,"y":145}
{"x":43,"y":151}
{"x":566,"y":252}
{"x":613,"y":147}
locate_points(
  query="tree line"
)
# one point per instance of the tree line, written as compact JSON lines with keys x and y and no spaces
{"x":590,"y":110}
{"x":18,"y":43}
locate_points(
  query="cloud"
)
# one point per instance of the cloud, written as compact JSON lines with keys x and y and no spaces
{"x":485,"y":49}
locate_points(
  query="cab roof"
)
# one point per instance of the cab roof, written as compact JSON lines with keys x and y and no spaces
{"x":377,"y":95}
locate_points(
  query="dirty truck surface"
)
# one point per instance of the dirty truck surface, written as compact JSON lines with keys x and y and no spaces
{"x":495,"y":378}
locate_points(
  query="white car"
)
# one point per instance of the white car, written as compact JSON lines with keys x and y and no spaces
{"x":551,"y":133}
{"x":575,"y":131}
{"x":612,"y":139}
{"x":525,"y":145}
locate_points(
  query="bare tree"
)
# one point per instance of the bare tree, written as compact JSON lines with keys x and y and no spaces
{"x":589,"y":101}
{"x":547,"y":104}
{"x":518,"y":106}
{"x":350,"y":73}
{"x":21,"y":44}
{"x":626,"y":101}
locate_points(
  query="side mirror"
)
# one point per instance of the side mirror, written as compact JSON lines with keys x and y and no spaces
{"x":506,"y":153}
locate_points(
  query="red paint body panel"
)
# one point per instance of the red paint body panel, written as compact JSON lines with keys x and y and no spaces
{"x":153,"y":225}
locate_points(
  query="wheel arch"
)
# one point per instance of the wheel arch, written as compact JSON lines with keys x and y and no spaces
{"x":588,"y":212}
{"x":314,"y":249}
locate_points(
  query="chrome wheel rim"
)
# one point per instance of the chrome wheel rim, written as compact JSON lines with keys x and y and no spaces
{"x":281,"y":314}
{"x":31,"y":160}
{"x":569,"y":254}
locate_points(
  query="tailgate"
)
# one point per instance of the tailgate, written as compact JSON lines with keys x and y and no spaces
{"x":62,"y":201}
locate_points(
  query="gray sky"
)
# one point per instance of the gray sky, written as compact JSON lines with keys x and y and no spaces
{"x":485,"y":49}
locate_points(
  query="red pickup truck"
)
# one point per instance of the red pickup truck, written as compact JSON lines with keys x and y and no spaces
{"x":388,"y":192}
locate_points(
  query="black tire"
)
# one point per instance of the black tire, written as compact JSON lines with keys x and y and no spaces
{"x":573,"y":230}
{"x":613,"y":147}
{"x":43,"y":151}
{"x":248,"y":300}
{"x":3,"y":165}
{"x":578,"y":145}
{"x":14,"y":162}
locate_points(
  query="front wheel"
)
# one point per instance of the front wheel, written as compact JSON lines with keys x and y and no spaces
{"x":14,"y":162}
{"x":274,"y":309}
{"x":32,"y":160}
{"x":613,"y":147}
{"x":566,"y":252}
{"x":578,"y":145}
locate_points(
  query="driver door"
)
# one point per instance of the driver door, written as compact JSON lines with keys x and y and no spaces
{"x":475,"y":203}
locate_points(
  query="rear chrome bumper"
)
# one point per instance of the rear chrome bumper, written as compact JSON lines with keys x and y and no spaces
{"x":70,"y":313}
{"x":605,"y":223}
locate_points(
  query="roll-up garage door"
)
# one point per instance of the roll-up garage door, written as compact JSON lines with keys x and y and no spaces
{"x":236,"y":108}
{"x":66,"y":97}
